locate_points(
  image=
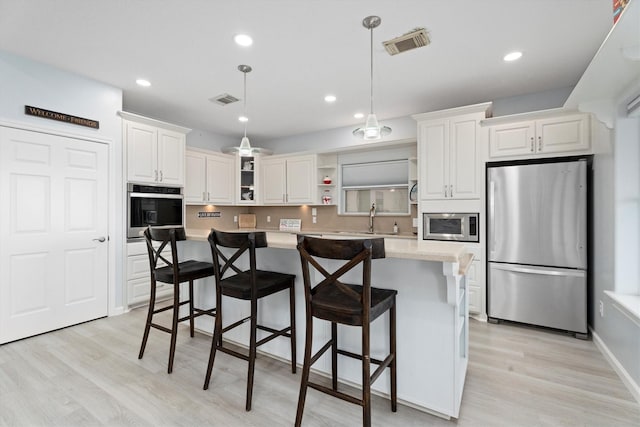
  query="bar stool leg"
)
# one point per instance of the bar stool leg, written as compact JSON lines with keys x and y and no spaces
{"x":306,"y":367}
{"x":174,"y":325}
{"x":366,"y":376}
{"x":334,"y":356}
{"x":217,"y":337}
{"x":292,"y":316}
{"x":252,"y":352}
{"x":392,"y":347}
{"x":191,"y":318}
{"x":147,"y":326}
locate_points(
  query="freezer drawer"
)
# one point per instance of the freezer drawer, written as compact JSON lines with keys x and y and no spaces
{"x":544,"y":296}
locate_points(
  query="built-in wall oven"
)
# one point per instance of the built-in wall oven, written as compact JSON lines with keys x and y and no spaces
{"x":459,"y":227}
{"x":148,"y":205}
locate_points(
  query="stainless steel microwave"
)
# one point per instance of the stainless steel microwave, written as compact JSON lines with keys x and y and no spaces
{"x":459,"y":227}
{"x":153,"y":206}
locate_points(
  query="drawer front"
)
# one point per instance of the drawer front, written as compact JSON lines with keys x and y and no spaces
{"x":138,"y":267}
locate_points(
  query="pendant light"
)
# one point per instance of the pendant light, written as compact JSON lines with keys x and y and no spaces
{"x":245,"y":149}
{"x":372,"y":129}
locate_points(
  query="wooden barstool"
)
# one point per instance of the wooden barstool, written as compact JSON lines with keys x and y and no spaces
{"x":250,"y":285}
{"x":174,"y":272}
{"x":347,"y":304}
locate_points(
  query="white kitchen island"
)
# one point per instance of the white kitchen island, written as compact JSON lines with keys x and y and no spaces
{"x":432,"y":313}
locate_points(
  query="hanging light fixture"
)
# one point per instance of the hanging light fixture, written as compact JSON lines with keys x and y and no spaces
{"x":245,"y":149}
{"x":372,"y":129}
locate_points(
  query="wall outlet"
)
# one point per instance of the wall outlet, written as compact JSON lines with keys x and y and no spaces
{"x":314,"y":211}
{"x":415,"y":222}
{"x":601,"y":309}
{"x":235,"y":218}
{"x":268,"y":218}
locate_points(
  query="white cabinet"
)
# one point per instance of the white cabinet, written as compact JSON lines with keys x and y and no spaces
{"x":551,"y":135}
{"x":155,"y":150}
{"x":139,"y":278}
{"x":209,"y":178}
{"x":289,"y":180}
{"x":449,"y":161}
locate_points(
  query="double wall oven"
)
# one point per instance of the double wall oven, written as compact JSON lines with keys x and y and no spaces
{"x":149,"y":205}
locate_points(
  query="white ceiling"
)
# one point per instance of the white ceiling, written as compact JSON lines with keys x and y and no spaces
{"x":305,"y":49}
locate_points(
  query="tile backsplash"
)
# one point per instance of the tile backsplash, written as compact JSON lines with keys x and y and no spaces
{"x":327,"y":218}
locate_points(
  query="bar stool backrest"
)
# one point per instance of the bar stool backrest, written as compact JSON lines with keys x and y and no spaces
{"x":168,"y":238}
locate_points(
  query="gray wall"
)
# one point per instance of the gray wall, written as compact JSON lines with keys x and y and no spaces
{"x":25,"y":82}
{"x":210,"y":141}
{"x":616,"y":239}
{"x":404,"y":128}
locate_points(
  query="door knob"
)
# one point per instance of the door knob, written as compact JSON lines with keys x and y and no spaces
{"x":100,"y":239}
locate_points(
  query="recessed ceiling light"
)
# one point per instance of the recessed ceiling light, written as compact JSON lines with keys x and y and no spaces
{"x":358,"y":115}
{"x":243,"y":119}
{"x":143,"y":82}
{"x":512,"y":56}
{"x":243,"y":40}
{"x":330,"y":98}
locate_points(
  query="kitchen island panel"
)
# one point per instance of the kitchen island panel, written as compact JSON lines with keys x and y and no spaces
{"x":432,"y":339}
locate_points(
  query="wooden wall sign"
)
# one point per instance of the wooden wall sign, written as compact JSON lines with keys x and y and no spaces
{"x":61,"y":117}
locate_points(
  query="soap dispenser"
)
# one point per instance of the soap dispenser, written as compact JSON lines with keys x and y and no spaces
{"x":395,"y":227}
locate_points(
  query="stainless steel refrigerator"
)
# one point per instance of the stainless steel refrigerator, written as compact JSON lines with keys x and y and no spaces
{"x":537,"y":244}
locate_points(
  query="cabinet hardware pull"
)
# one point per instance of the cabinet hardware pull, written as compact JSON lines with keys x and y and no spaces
{"x":160,"y":176}
{"x":156,"y":174}
{"x":532,"y":144}
{"x":445,"y":191}
{"x":203,"y":198}
{"x":539,"y":143}
{"x":208,"y":195}
{"x":451,"y":191}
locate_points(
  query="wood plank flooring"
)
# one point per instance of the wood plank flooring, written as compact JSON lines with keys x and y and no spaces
{"x":89,"y":375}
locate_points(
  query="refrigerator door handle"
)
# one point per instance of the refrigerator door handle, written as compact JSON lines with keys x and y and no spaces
{"x":533,"y":270}
{"x":492,"y":216}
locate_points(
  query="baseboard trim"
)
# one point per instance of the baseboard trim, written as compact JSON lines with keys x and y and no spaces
{"x":617,"y":366}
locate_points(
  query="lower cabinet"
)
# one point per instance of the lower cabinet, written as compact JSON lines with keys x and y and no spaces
{"x":138,"y":277}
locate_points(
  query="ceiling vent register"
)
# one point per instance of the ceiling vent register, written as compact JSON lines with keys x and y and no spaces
{"x":224,"y":99}
{"x":411,"y":40}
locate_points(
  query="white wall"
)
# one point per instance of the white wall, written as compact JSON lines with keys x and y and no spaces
{"x":26,"y":82}
{"x":210,"y":141}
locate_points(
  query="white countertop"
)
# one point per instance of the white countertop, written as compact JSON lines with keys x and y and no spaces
{"x":394,"y":247}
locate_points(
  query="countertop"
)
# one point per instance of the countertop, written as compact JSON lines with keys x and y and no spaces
{"x":395,"y":247}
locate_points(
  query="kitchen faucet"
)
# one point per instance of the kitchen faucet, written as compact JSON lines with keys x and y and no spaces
{"x":372,"y":213}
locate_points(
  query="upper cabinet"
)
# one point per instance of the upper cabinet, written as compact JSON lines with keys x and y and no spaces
{"x":289,"y":180}
{"x":155,"y":150}
{"x":449,"y":153}
{"x":210,"y":178}
{"x":559,"y":133}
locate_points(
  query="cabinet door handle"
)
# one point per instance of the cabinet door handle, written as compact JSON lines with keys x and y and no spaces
{"x":160,"y":176}
{"x":532,"y":145}
{"x":203,"y":198}
{"x":445,"y":191}
{"x":208,"y":195}
{"x":156,"y":174}
{"x":539,"y":143}
{"x":451,"y":191}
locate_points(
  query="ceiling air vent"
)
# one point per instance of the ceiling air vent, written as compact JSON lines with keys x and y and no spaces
{"x":412,"y":40}
{"x":224,"y":99}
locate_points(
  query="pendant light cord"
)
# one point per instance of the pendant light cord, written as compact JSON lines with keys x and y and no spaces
{"x":371,"y":55}
{"x":245,"y":103}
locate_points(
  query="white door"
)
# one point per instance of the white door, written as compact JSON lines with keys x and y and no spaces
{"x":53,"y":216}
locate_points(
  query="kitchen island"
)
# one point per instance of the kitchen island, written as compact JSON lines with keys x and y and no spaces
{"x":432,"y":313}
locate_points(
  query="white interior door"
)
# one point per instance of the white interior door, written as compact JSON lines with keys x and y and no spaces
{"x":53,"y":231}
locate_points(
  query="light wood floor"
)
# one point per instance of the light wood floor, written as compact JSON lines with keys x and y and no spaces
{"x":89,"y":375}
